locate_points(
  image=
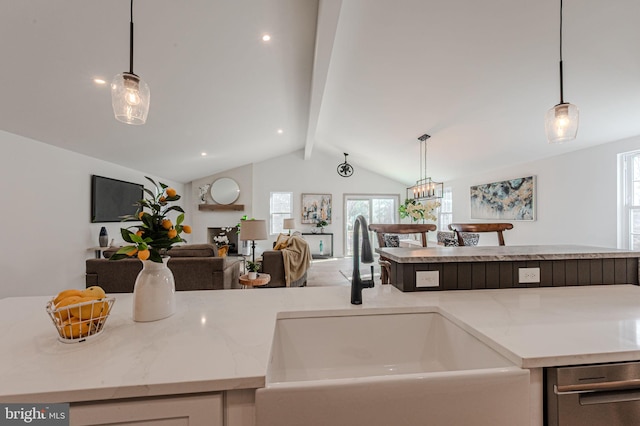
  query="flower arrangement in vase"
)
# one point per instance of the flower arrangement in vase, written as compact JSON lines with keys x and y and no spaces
{"x":418,"y":211}
{"x":320,"y":224}
{"x":154,"y":289}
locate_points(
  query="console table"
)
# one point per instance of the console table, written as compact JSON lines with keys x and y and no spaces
{"x":314,"y":244}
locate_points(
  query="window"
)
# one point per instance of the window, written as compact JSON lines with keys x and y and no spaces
{"x":629,"y":176}
{"x":374,"y":208}
{"x":445,"y":213}
{"x":280,"y":208}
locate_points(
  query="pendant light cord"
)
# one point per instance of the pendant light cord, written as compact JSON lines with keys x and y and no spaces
{"x":131,"y":41}
{"x":561,"y":73}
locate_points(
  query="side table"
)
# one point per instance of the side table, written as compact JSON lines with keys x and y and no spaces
{"x":263,"y":279}
{"x":99,"y":251}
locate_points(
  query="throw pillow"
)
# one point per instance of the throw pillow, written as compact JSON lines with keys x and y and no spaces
{"x":470,"y":239}
{"x":450,"y":242}
{"x":391,"y":240}
{"x":281,"y":242}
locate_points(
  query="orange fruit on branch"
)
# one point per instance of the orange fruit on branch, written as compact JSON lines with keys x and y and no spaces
{"x":143,"y":254}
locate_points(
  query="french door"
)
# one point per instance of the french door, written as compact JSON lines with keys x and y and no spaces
{"x":375,"y":208}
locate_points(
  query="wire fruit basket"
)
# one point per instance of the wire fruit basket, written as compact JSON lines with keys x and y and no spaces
{"x":82,"y":321}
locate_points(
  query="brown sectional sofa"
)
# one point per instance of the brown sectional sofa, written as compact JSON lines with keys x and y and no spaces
{"x":194,"y":267}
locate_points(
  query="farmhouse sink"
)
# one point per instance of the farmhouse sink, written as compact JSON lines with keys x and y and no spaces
{"x":406,"y":368}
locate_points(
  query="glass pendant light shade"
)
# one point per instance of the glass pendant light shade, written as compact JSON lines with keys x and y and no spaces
{"x":130,"y":98}
{"x":561,"y":123}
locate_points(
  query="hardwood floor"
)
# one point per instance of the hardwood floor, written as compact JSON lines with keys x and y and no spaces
{"x":332,"y":272}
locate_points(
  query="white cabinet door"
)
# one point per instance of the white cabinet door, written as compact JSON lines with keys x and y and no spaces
{"x":195,"y":410}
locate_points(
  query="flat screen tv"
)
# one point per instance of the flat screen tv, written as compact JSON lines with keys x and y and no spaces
{"x":112,"y":199}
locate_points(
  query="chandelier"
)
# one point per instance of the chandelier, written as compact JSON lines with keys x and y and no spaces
{"x":425,"y":187}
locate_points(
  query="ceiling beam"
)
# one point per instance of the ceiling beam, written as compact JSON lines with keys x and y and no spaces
{"x":328,"y":15}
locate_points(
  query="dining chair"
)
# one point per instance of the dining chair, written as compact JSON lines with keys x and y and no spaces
{"x":480,"y":227}
{"x":384,"y":232}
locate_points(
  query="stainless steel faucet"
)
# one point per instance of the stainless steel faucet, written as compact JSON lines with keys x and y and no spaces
{"x":357,"y":283}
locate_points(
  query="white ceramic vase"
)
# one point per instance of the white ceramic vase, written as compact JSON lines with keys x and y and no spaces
{"x":253,"y":275}
{"x":154,"y":294}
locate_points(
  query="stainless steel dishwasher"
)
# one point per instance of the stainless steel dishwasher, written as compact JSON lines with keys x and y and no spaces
{"x":592,"y":395}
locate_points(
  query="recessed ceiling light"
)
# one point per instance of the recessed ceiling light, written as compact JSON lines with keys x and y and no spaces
{"x":204,"y":154}
{"x":99,"y":81}
{"x":280,"y":131}
{"x":266,"y":37}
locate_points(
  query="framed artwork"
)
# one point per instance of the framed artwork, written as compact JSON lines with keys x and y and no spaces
{"x":316,"y":207}
{"x":507,"y":200}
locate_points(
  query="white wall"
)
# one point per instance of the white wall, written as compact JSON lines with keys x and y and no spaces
{"x":201,"y":220}
{"x":291,"y":173}
{"x":576,"y":197}
{"x":287,"y":173}
{"x":46,"y":197}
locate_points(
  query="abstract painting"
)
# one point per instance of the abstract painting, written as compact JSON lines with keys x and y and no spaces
{"x":509,"y":200}
{"x":316,"y":207}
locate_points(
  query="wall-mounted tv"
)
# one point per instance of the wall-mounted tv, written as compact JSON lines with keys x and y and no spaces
{"x":112,"y":199}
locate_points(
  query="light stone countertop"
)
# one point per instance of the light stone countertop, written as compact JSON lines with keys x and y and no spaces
{"x":221,"y":339}
{"x":441,"y":254}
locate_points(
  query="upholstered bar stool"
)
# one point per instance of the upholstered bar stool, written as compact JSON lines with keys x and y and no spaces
{"x":385,"y":230}
{"x":480,"y":227}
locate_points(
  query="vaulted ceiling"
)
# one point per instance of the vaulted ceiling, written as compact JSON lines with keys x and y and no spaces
{"x":366,"y":77}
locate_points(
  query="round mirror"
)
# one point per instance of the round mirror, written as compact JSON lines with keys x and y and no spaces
{"x":225,"y":191}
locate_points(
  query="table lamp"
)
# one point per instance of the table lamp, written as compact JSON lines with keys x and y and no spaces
{"x":252,"y":230}
{"x":289,"y":224}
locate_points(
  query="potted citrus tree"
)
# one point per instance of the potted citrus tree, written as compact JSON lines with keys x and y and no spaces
{"x":154,"y":289}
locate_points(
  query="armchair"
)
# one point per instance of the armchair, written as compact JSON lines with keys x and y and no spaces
{"x":291,"y":256}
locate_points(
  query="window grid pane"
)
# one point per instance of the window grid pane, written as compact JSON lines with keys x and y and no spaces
{"x":374,"y":208}
{"x":281,"y":207}
{"x":445,"y":213}
{"x":629,"y":205}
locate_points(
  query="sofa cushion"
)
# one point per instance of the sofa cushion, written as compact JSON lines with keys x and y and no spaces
{"x":193,"y":250}
{"x":187,"y":250}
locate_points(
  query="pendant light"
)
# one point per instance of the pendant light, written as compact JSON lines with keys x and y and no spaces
{"x":561,"y":122}
{"x":425,"y":188}
{"x":129,"y":93}
{"x":345,"y":169}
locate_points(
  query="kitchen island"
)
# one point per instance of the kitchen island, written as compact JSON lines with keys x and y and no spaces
{"x":471,"y":268}
{"x":215,"y":350}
